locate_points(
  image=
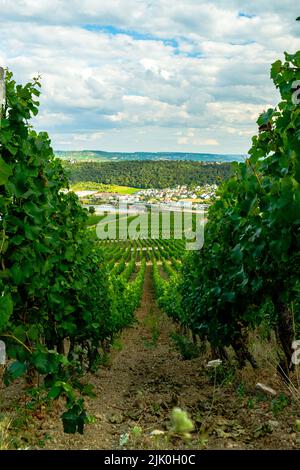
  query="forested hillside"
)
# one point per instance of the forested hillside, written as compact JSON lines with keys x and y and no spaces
{"x":149,"y":174}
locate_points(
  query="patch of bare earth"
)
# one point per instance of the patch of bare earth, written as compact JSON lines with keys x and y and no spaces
{"x":147,"y":378}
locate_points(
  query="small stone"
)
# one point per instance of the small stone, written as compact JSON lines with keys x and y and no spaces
{"x":157,"y":432}
{"x":230,"y":445}
{"x":266,"y":389}
{"x":115,"y":419}
{"x":214,"y":363}
{"x":273,"y":424}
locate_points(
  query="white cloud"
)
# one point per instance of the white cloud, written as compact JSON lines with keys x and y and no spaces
{"x":212,"y":142}
{"x":177,"y":74}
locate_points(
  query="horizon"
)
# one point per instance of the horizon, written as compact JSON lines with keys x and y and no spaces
{"x":146,"y":152}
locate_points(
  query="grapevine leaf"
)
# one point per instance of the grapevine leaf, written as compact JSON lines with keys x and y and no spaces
{"x":14,"y":371}
{"x":6,"y":309}
{"x":5,"y":171}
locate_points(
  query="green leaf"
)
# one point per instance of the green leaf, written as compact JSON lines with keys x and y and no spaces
{"x":265,"y":118}
{"x":41,"y":362}
{"x":20,"y":332}
{"x":229,"y":296}
{"x":54,"y":392}
{"x":33,"y":333}
{"x":17,"y":240}
{"x":69,"y":422}
{"x":5,"y":171}
{"x":6,"y":309}
{"x":74,"y":420}
{"x":14,"y":371}
{"x":276,"y":67}
{"x":237,"y":254}
{"x":16,"y":274}
{"x":81,"y":422}
{"x":88,"y":390}
{"x":13,"y":149}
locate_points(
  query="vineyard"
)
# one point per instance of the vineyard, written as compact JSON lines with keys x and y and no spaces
{"x":59,"y":307}
{"x":64,"y":295}
{"x":138,"y":250}
{"x":67,"y":296}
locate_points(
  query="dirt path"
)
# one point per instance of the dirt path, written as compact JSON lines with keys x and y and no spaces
{"x":146,"y":378}
{"x":142,"y":385}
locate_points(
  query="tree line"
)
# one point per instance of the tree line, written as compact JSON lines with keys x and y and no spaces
{"x":149,"y":174}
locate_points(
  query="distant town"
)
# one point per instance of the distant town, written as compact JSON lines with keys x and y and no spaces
{"x":199,"y":197}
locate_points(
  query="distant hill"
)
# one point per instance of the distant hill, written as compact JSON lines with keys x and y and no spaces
{"x":148,"y":173}
{"x":98,"y":155}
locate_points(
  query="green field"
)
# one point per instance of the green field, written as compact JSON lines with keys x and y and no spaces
{"x":104,"y":188}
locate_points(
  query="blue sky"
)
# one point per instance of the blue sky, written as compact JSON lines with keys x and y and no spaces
{"x":156,"y":75}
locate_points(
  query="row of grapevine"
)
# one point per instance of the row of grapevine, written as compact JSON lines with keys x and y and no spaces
{"x":250,"y":262}
{"x":55,"y":288}
{"x":159,"y":249}
{"x":168,"y":268}
{"x":129,"y":269}
{"x":167,"y":293}
{"x":127,"y":295}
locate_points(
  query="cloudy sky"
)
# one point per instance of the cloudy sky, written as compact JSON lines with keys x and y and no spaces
{"x":149,"y":75}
